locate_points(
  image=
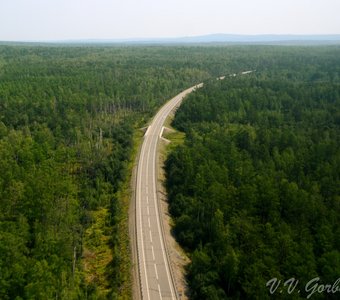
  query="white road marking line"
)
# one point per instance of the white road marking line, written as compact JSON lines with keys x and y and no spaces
{"x":161,"y":133}
{"x":147,"y":208}
{"x":149,"y":222}
{"x":146,"y":132}
{"x":147,"y":199}
{"x":156,"y":271}
{"x":159,"y":291}
{"x":153,"y":253}
{"x":150,"y":235}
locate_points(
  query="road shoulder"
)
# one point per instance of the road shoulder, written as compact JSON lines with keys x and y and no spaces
{"x":178,"y":258}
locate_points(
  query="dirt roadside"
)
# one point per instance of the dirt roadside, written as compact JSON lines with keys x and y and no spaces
{"x":178,"y":258}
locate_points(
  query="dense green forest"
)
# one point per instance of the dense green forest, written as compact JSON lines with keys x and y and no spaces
{"x":255,"y":188}
{"x":68,"y":116}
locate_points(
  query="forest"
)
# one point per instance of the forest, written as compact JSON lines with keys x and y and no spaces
{"x":69,"y":117}
{"x":67,"y":122}
{"x":254,"y":190}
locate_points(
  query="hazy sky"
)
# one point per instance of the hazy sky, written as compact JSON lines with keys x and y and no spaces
{"x":81,"y":19}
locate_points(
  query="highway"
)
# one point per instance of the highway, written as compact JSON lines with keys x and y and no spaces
{"x":154,"y":272}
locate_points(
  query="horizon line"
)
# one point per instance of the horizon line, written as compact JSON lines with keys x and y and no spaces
{"x":183,"y":37}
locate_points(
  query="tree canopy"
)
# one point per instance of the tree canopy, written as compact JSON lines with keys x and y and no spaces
{"x":68,"y":115}
{"x":254,"y":190}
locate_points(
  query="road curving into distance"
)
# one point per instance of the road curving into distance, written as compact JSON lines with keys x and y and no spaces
{"x":154,"y":270}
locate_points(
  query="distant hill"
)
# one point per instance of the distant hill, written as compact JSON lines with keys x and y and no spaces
{"x":226,"y":38}
{"x":266,"y":39}
{"x":232,"y":38}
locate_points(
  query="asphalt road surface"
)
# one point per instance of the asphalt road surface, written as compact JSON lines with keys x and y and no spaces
{"x":155,"y":277}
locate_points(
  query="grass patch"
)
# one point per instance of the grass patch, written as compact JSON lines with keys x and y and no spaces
{"x":106,"y":257}
{"x":97,"y":253}
{"x":176,"y":138}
